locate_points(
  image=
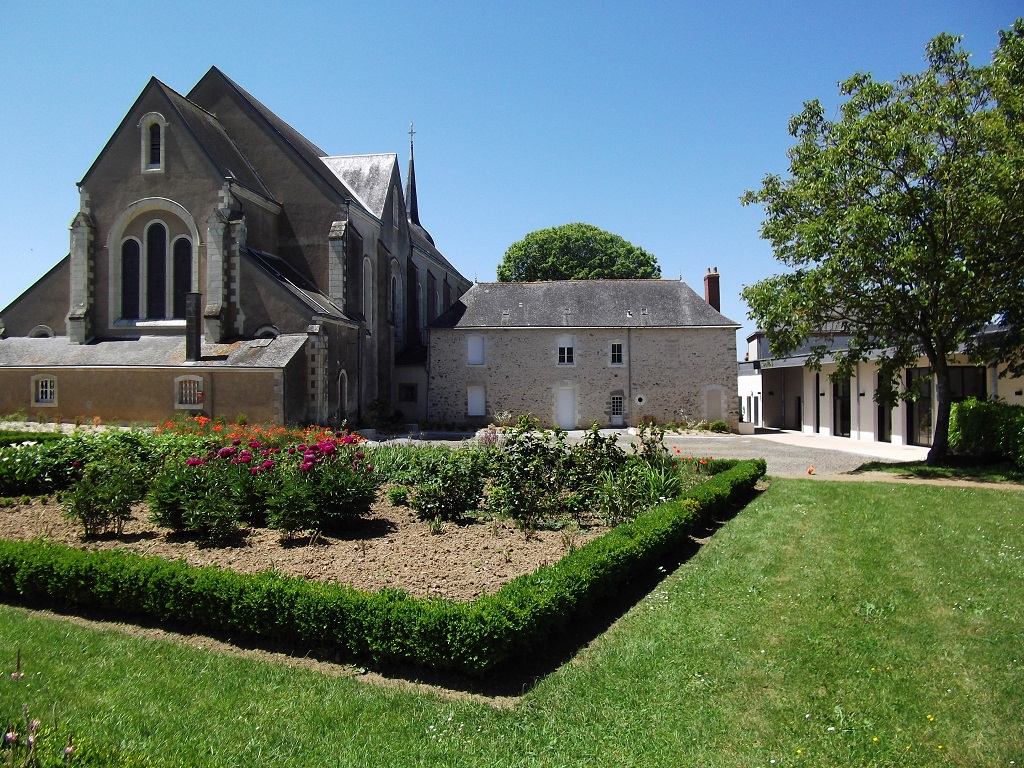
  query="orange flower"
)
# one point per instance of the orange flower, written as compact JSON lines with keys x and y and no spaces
{"x":810,"y":470}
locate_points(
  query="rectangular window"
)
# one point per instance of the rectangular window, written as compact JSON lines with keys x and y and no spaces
{"x":44,"y":391}
{"x":565,"y":356}
{"x":407,"y":393}
{"x":189,"y":393}
{"x":475,"y":351}
{"x":616,"y":405}
{"x":616,"y":353}
{"x":476,"y":401}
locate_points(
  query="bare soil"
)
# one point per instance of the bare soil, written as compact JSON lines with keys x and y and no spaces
{"x":390,"y":547}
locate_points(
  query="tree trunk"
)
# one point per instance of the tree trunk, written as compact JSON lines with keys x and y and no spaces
{"x":938,"y":455}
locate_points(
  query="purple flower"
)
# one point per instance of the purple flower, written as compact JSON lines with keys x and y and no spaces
{"x":244,"y":456}
{"x":306,"y":466}
{"x":360,"y":455}
{"x":255,"y":444}
{"x":11,"y":737}
{"x":236,"y":441}
{"x":34,"y":725}
{"x":291,"y":449}
{"x":302,"y":448}
{"x":226,"y":451}
{"x":369,"y":467}
{"x":194,"y":462}
{"x":347,"y":440}
{"x":267,"y":464}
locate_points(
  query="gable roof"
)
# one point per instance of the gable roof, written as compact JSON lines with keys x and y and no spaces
{"x":368,"y":176}
{"x":583,"y":304}
{"x":222,"y":153}
{"x":306,"y":151}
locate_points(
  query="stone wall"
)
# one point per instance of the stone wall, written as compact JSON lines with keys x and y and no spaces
{"x":665,"y":374}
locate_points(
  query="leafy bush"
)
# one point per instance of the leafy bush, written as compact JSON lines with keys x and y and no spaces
{"x":193,"y":499}
{"x":319,"y":487}
{"x":988,"y":430}
{"x":450,"y":483}
{"x":104,"y":495}
{"x":718,"y":426}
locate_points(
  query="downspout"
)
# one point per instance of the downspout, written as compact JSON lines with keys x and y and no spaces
{"x":359,"y":374}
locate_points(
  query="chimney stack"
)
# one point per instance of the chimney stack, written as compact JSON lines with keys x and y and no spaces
{"x":193,"y":327}
{"x":712,"y":293}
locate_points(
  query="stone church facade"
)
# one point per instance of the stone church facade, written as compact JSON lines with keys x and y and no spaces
{"x":221,"y":263}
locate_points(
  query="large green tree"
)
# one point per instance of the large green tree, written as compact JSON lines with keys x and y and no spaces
{"x":575,"y":252}
{"x":901,"y":222}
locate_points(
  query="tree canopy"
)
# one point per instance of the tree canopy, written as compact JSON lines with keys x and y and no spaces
{"x":902,"y":223}
{"x":575,"y":252}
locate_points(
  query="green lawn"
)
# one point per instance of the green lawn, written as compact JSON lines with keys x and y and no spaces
{"x":828,"y":624}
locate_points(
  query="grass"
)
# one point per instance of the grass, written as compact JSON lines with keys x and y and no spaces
{"x":828,"y":624}
{"x":963,"y":470}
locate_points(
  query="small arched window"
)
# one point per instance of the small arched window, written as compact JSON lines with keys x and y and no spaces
{"x":153,"y":135}
{"x":155,"y":145}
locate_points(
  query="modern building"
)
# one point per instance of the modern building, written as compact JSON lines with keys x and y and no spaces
{"x":785,"y":393}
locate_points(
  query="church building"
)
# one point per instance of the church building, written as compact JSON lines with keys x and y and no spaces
{"x":221,"y":263}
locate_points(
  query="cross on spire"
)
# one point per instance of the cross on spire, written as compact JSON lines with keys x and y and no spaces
{"x":411,"y":133}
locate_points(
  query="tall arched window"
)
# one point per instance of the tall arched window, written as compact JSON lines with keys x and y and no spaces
{"x":130,"y":280}
{"x":182,"y":279}
{"x":153,"y":136}
{"x":156,"y":271}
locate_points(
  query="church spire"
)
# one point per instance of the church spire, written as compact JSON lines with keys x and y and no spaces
{"x":410,"y":185}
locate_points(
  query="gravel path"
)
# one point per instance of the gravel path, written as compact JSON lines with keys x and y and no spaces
{"x":782,"y":458}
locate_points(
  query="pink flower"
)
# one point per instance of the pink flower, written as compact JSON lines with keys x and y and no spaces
{"x":11,"y":737}
{"x":194,"y":462}
{"x":327,"y":447}
{"x":244,"y":456}
{"x":347,"y":440}
{"x":360,"y":455}
{"x":236,"y":441}
{"x":306,"y":466}
{"x":267,"y":464}
{"x":225,"y":452}
{"x":255,"y":444}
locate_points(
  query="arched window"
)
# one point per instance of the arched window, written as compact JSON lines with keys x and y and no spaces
{"x":155,"y":145}
{"x":130,"y":280}
{"x":156,"y":272}
{"x":182,"y":280}
{"x":153,"y":135}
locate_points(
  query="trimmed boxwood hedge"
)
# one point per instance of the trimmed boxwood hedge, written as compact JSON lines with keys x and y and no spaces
{"x":386,"y":626}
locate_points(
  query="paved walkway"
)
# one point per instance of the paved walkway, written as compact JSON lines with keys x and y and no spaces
{"x":791,"y":453}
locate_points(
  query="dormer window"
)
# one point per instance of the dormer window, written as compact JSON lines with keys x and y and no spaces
{"x":153,"y":133}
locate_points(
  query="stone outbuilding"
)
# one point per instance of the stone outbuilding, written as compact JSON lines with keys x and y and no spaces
{"x":574,"y":353}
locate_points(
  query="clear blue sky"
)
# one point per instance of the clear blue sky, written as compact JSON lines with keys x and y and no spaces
{"x":646,"y":119}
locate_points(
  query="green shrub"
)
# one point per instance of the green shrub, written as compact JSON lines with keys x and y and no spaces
{"x":451,"y":483}
{"x":319,"y":487}
{"x":988,"y":430}
{"x":192,"y":499}
{"x":103,"y":497}
{"x":718,"y":426}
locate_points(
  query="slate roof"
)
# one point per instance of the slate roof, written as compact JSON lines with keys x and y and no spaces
{"x":213,"y":138}
{"x":583,"y":304}
{"x":295,"y":284}
{"x":368,"y":176}
{"x":309,"y":152}
{"x":146,"y":352}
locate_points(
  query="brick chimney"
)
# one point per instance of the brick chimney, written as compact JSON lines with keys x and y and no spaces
{"x":193,"y":327}
{"x":712,"y":293}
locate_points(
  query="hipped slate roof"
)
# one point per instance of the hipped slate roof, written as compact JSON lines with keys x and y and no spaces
{"x":146,"y":352}
{"x":583,"y":304}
